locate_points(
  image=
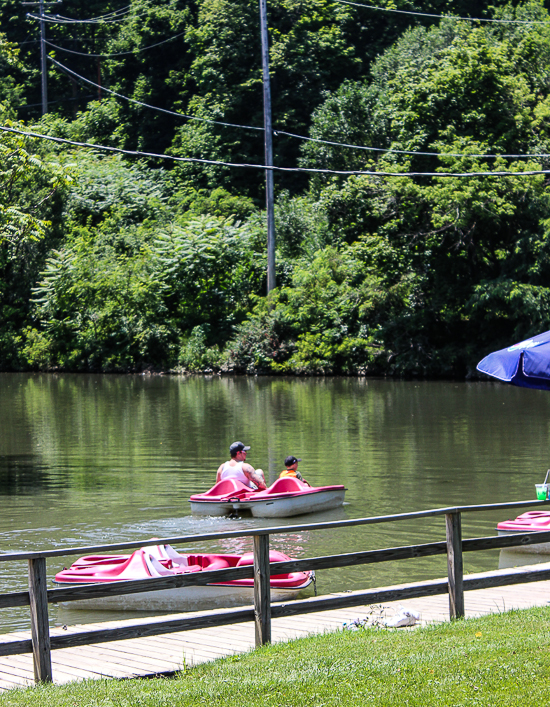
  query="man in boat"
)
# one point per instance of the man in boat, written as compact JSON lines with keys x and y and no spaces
{"x":237,"y":468}
{"x":291,"y":464}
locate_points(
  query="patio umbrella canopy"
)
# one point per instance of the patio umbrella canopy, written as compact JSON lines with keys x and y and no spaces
{"x":526,"y":364}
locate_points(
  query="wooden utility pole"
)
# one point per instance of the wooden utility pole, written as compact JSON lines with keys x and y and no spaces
{"x":268,"y":130}
{"x":98,"y":79}
{"x":43,"y":60}
{"x":43,"y":55}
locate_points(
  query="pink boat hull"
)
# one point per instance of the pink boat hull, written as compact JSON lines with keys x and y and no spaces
{"x":284,"y":498}
{"x":164,"y":561}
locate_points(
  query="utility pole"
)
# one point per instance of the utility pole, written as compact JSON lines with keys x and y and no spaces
{"x":268,"y":131}
{"x":43,"y":60}
{"x":43,"y":55}
{"x":98,"y":79}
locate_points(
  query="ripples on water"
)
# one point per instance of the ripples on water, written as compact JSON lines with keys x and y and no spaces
{"x":86,"y":460}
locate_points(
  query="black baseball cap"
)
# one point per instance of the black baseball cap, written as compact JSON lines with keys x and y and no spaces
{"x":289,"y":461}
{"x":237,"y":447}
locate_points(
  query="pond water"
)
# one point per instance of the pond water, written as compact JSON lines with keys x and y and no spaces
{"x":88,"y":459}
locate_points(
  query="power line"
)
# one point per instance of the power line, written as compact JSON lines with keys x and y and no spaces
{"x":115,"y":15}
{"x":306,"y":170}
{"x":147,"y":105}
{"x":61,"y":100}
{"x":443,"y":17}
{"x":276,"y":132}
{"x":56,"y":19}
{"x":412,"y":153}
{"x":135,"y":51}
{"x":121,"y":11}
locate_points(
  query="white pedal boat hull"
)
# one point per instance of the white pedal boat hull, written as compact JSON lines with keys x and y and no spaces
{"x":183,"y":598}
{"x":298,"y":505}
{"x":534,"y":549}
{"x":206,"y":508}
{"x":286,"y":497}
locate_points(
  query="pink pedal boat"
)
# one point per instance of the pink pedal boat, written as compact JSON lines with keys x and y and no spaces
{"x":530,"y":522}
{"x":284,"y":498}
{"x":165,"y":561}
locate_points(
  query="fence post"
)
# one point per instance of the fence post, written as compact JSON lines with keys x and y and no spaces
{"x":40,"y":629}
{"x":455,"y":569}
{"x":262,"y":593}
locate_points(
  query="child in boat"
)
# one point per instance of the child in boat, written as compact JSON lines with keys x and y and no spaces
{"x":291,"y":464}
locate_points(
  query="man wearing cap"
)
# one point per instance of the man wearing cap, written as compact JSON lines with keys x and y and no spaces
{"x":291,"y":464}
{"x":237,"y":468}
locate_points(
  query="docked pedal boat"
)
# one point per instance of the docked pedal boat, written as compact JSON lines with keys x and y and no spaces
{"x":165,"y":561}
{"x":284,"y":498}
{"x":530,"y":522}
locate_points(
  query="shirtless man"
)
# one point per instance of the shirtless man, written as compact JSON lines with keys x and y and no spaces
{"x":237,"y":468}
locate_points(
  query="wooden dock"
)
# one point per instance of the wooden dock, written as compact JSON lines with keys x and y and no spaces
{"x":165,"y":654}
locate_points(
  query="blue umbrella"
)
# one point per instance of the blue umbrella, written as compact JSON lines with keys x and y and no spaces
{"x":526,"y":364}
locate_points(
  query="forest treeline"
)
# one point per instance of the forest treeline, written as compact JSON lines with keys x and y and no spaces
{"x":116,"y":261}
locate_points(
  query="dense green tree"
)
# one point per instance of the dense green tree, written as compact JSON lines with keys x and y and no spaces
{"x":99,"y":310}
{"x":137,"y":266}
{"x":149,"y":62}
{"x":309,"y":53}
{"x":450,"y":89}
{"x":132,"y":288}
{"x":12,"y":76}
{"x":30,"y":198}
{"x":209,"y":269}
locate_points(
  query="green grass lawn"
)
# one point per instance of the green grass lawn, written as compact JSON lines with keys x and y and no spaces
{"x":502,"y":659}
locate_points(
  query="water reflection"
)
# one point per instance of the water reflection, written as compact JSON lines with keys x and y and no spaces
{"x":92,"y":459}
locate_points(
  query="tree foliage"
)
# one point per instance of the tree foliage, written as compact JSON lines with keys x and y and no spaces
{"x":110,"y":263}
{"x":31,"y":188}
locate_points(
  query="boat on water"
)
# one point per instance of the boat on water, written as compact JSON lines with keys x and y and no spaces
{"x":165,"y":561}
{"x":284,"y":498}
{"x":530,"y":522}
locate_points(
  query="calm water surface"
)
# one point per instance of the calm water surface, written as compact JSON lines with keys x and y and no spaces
{"x":95,"y":459}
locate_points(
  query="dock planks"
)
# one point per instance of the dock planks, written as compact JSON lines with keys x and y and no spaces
{"x":167,"y":653}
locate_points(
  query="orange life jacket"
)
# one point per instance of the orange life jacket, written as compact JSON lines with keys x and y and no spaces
{"x":289,"y":472}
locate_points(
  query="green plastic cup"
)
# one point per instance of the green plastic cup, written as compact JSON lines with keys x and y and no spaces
{"x":542,"y":491}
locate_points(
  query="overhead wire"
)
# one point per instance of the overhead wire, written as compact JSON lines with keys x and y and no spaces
{"x":57,"y":19}
{"x":277,"y":131}
{"x":61,"y":100}
{"x":121,"y":11}
{"x":263,"y":167}
{"x":414,"y":13}
{"x":135,"y":51}
{"x":412,"y":153}
{"x":442,"y":17}
{"x":147,"y":105}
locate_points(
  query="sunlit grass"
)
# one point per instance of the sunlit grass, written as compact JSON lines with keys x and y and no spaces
{"x":502,"y":659}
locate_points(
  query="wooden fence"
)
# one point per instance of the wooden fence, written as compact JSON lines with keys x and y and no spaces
{"x":38,"y":596}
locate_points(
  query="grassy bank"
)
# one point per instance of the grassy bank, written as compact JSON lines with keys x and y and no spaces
{"x":495,"y":660}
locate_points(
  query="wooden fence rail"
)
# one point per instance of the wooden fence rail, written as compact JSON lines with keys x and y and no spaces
{"x":38,"y":596}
